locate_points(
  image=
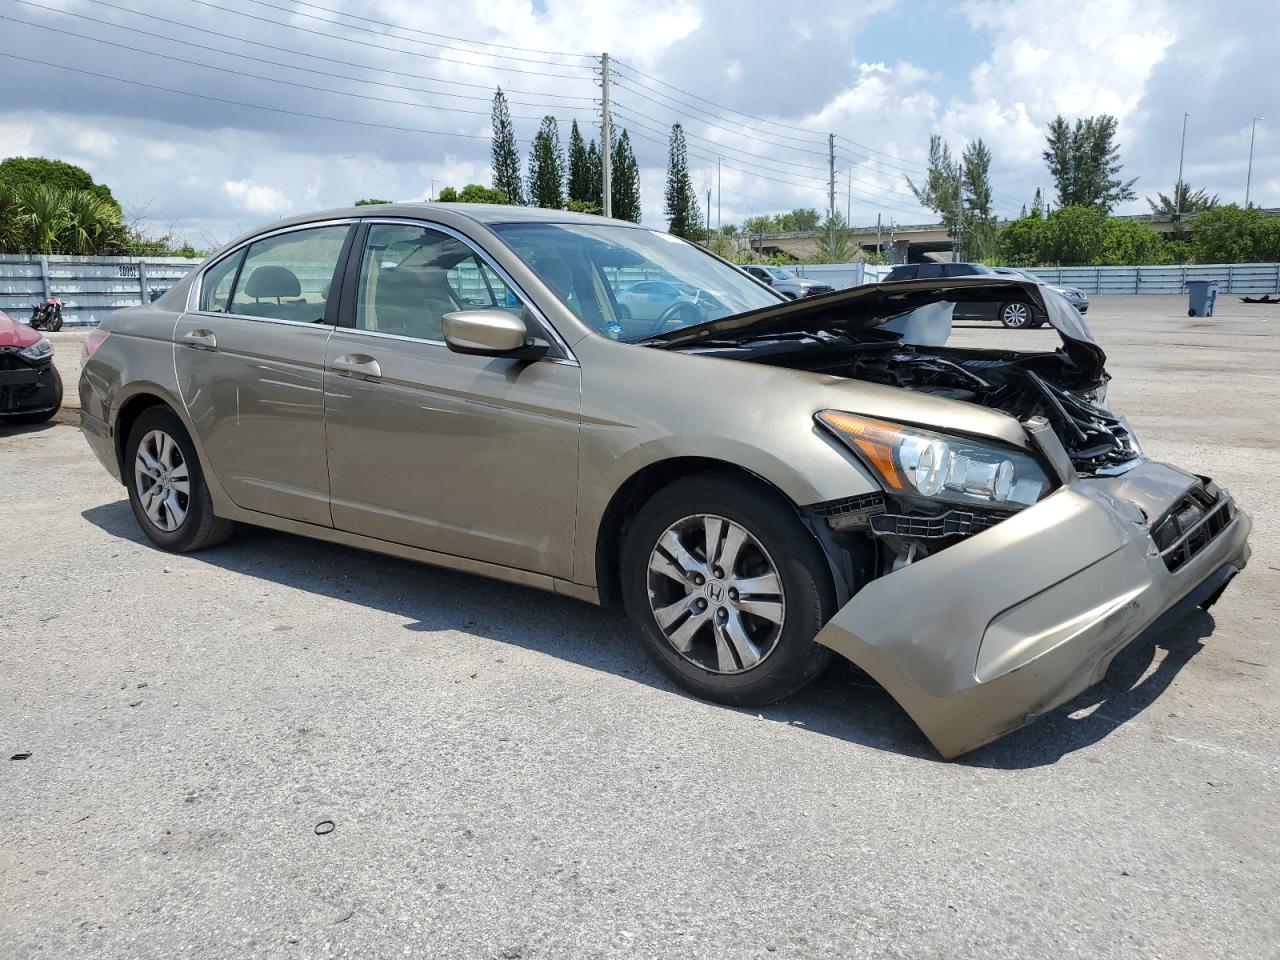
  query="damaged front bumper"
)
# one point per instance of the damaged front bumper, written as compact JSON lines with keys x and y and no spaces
{"x":985,"y":636}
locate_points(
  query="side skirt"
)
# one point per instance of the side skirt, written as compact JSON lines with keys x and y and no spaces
{"x":495,"y":571}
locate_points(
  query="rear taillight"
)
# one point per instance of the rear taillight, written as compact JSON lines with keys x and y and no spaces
{"x":92,"y":342}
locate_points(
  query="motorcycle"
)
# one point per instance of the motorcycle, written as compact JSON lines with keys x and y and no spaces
{"x":47,"y":315}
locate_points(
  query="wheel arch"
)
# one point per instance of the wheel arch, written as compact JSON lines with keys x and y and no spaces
{"x":638,"y":488}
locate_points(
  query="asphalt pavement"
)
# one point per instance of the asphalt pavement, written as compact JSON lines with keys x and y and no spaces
{"x":506,"y":776}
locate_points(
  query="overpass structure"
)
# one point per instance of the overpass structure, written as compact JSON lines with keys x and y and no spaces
{"x":911,"y":243}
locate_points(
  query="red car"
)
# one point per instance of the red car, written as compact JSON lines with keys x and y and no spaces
{"x":30,"y":388}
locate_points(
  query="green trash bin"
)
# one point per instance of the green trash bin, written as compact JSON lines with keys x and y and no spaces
{"x":1200,"y":297}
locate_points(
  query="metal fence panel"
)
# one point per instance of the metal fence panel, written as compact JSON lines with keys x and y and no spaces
{"x":91,"y":287}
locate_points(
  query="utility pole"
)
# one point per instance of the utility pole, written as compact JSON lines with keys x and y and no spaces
{"x":708,"y":216}
{"x":1177,"y":190}
{"x":848,"y":198}
{"x":606,"y":140}
{"x":717,"y":195}
{"x":877,"y":235}
{"x":831,"y":191}
{"x":1248,"y":180}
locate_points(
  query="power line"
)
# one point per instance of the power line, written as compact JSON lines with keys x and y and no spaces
{"x":767,"y":174}
{"x":275,"y":48}
{"x":256,"y":76}
{"x":242,"y":103}
{"x":272,"y":63}
{"x":723,"y":110}
{"x":445,"y":36}
{"x":776,"y":123}
{"x":807,"y":184}
{"x":380,"y":33}
{"x":362,"y":43}
{"x":707,"y":117}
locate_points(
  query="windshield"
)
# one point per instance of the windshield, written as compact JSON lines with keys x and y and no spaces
{"x":599,"y":273}
{"x":779,"y":274}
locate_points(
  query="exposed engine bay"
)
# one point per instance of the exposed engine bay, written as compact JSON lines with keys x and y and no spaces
{"x":895,"y":334}
{"x":1023,"y":385}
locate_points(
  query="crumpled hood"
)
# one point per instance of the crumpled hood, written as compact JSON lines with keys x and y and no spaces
{"x":876,"y":304}
{"x":15,"y":334}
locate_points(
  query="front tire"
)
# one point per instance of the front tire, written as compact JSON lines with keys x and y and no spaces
{"x":167,"y":492}
{"x":727,"y":589}
{"x":1016,"y":315}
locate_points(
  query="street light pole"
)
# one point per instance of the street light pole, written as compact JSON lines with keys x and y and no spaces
{"x":1177,"y":190}
{"x":1248,"y":180}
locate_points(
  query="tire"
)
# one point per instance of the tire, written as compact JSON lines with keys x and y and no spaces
{"x":198,"y":527}
{"x":1016,"y":315}
{"x":1191,"y":313}
{"x":778,"y":545}
{"x":30,"y":419}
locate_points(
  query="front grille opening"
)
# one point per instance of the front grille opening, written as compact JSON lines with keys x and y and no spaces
{"x":1195,"y":520}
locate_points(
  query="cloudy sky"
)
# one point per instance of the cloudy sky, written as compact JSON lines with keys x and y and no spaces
{"x":262,"y":108}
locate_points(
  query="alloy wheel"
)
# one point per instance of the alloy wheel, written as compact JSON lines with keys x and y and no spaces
{"x":716,"y":594}
{"x":1016,"y":315}
{"x":162,"y":481}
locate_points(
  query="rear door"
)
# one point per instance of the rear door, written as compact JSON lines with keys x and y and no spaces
{"x":250,"y":361}
{"x":469,"y":456}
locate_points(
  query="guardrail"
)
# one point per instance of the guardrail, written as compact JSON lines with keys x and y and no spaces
{"x":1231,"y":277}
{"x":89,"y":287}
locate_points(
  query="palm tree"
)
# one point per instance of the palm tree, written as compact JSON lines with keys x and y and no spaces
{"x":41,"y":216}
{"x":92,"y":225}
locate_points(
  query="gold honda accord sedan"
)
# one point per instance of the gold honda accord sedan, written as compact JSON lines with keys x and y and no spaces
{"x":762,"y":482}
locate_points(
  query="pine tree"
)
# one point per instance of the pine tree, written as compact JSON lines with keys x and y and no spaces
{"x":505,"y":158}
{"x":683,"y":216}
{"x":595,"y":174}
{"x":546,"y":167}
{"x":579,"y":187}
{"x":1084,"y":161}
{"x":625,"y":182}
{"x":980,"y":222}
{"x":1037,"y":204}
{"x":942,"y":186}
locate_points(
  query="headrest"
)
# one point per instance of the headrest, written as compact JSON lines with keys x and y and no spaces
{"x":272,"y":281}
{"x":555,"y":273}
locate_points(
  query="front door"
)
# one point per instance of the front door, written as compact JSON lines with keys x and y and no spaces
{"x":250,"y":362}
{"x":469,"y":456}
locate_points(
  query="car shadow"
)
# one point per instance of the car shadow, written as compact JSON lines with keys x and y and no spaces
{"x":843,"y":703}
{"x":15,"y":430}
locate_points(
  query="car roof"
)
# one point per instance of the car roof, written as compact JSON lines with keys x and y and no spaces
{"x":486,"y":213}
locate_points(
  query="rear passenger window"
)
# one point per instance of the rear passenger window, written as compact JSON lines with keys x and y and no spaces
{"x":289,"y":276}
{"x":215,"y":288}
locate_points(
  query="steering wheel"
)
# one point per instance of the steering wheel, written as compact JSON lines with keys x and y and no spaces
{"x":687,"y":312}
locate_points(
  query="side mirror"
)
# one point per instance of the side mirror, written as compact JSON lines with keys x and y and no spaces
{"x":490,"y":333}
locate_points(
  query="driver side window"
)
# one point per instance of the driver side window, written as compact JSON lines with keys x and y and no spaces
{"x":411,"y":276}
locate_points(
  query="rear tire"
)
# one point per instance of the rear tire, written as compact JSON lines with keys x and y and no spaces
{"x":733,"y":655}
{"x":1016,"y":315}
{"x":167,"y":492}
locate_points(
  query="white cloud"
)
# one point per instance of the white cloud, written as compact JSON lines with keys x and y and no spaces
{"x":256,"y":198}
{"x":95,"y":142}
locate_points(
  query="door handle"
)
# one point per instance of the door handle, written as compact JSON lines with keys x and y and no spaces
{"x":358,"y":365}
{"x":200,"y":339}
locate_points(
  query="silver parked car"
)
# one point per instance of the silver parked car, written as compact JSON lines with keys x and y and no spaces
{"x":787,"y":283}
{"x":763,"y":486}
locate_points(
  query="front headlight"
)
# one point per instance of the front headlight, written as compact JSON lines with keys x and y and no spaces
{"x":42,"y":349}
{"x":919,"y":463}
